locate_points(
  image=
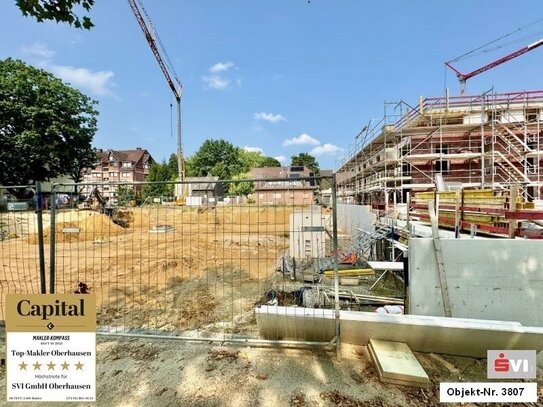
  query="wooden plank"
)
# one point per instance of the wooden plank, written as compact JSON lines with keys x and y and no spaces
{"x":386,"y":265}
{"x":512,"y":207}
{"x":524,"y":215}
{"x":397,"y":364}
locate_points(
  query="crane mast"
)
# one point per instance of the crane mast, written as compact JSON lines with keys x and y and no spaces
{"x":463,"y":77}
{"x":174,"y":83}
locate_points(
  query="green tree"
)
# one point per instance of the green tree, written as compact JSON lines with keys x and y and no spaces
{"x":125,"y":194}
{"x":307,"y":160}
{"x":250,"y":159}
{"x":255,"y":159}
{"x":269,"y":162}
{"x":216,"y":157}
{"x":61,"y":11}
{"x":159,"y":172}
{"x":46,"y":127}
{"x":241,"y":188}
{"x":172,"y":165}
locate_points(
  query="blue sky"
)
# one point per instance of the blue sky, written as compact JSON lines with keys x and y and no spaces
{"x":283,"y":76}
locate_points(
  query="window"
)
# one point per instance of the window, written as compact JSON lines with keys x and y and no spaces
{"x":442,"y":166}
{"x":406,"y":169}
{"x":127,"y":164}
{"x":113,"y":174}
{"x":442,"y":149}
{"x":146,"y":166}
{"x":532,"y":115}
{"x":277,"y":196}
{"x":125,"y":174}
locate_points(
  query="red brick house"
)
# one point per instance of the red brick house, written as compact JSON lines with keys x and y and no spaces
{"x":283,"y":186}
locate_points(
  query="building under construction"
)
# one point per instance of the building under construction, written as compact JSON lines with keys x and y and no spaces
{"x":491,"y":141}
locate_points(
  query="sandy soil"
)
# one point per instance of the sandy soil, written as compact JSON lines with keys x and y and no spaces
{"x":137,"y":372}
{"x":209,"y":267}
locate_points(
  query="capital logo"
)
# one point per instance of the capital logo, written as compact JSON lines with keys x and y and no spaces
{"x":511,"y":364}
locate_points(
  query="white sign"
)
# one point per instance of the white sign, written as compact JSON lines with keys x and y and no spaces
{"x":51,"y":347}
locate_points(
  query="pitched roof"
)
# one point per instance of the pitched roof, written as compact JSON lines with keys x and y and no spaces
{"x":202,"y":183}
{"x":134,"y":156}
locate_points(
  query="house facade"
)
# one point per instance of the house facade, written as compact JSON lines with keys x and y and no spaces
{"x":283,"y":185}
{"x":118,"y":166}
{"x":205,"y":190}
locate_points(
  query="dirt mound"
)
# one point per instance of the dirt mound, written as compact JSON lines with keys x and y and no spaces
{"x":134,"y":218}
{"x":92,"y":227}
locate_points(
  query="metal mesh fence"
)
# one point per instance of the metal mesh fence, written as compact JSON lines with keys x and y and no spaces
{"x":19,"y":254}
{"x":205,"y":265}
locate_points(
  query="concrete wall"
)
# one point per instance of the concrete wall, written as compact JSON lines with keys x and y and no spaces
{"x":351,"y":217}
{"x":487,"y":279}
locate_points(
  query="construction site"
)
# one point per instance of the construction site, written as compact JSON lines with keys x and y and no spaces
{"x":410,"y":268}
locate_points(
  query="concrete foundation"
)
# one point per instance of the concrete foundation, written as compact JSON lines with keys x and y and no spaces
{"x":487,"y":279}
{"x":454,"y":336}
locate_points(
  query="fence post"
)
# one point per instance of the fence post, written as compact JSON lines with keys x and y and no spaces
{"x":41,"y":251}
{"x":52,"y":239}
{"x":336,"y":271}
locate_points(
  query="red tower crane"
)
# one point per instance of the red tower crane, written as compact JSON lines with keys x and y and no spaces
{"x":463,"y":77}
{"x":166,"y":66}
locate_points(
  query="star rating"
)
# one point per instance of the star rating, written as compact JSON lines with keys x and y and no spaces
{"x":51,"y":366}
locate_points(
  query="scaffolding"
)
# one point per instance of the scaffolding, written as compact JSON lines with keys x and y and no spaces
{"x":483,"y":141}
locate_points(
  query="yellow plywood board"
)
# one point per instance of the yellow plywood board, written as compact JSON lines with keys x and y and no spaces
{"x":396,"y":363}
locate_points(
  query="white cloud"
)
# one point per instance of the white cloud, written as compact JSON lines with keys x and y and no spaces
{"x":216,"y":78}
{"x":38,"y":50}
{"x":98,"y":82}
{"x":281,"y":158}
{"x":269,"y":117}
{"x":216,"y":82}
{"x":326,"y":149}
{"x":253,"y":149}
{"x":301,"y":140}
{"x":221,"y":67}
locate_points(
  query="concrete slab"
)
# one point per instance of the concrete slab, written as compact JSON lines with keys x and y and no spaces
{"x":454,"y":336}
{"x":397,"y":364}
{"x":304,"y":324}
